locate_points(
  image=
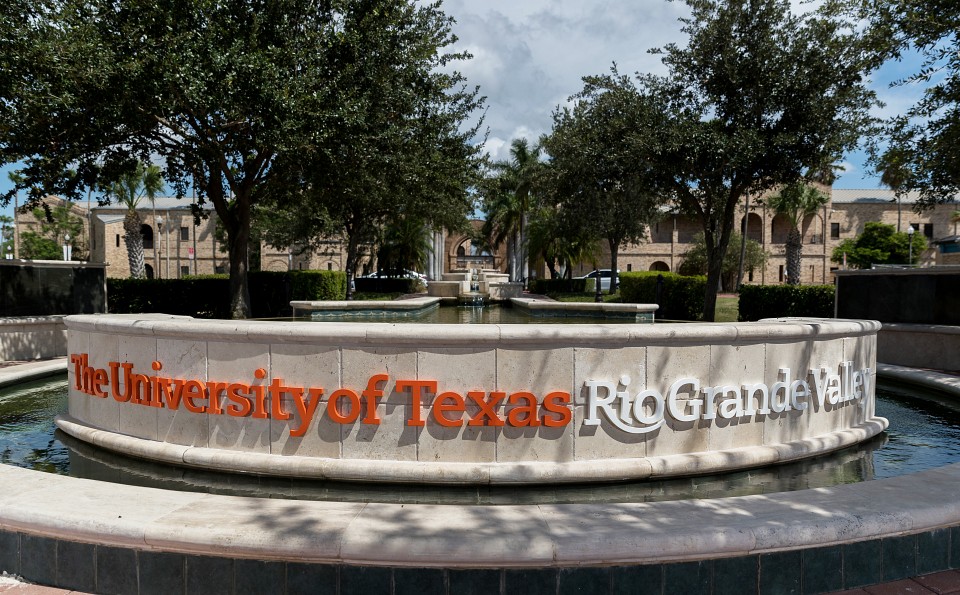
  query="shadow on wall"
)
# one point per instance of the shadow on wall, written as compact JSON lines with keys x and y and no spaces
{"x":45,"y":288}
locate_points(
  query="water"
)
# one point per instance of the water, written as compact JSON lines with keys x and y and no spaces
{"x":923,"y":434}
{"x":466,"y":315}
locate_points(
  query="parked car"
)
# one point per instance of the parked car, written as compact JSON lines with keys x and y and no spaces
{"x":388,"y":274}
{"x":605,"y":277}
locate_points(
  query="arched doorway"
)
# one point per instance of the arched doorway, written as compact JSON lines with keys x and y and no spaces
{"x":148,"y":269}
{"x":754,"y":227}
{"x":660,"y":266}
{"x":146,"y":232}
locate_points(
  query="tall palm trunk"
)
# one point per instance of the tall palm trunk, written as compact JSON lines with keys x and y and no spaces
{"x":134,"y":242}
{"x":794,"y":256}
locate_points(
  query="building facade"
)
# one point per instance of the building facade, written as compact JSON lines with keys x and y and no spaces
{"x":177,"y":245}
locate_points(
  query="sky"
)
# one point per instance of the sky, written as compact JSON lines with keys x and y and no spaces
{"x":529,"y":57}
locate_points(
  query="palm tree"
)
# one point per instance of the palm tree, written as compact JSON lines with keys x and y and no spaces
{"x":894,"y":175}
{"x":796,"y":202}
{"x":143,"y":181}
{"x":15,"y":177}
{"x":508,"y":201}
{"x":406,"y":244}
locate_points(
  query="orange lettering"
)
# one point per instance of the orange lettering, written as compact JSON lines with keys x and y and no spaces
{"x":556,"y":402}
{"x":305,"y":409}
{"x":333,"y":407}
{"x":523,"y":416}
{"x":241,"y":405}
{"x":115,"y":381}
{"x":370,"y":396}
{"x":416,"y":387}
{"x":213,"y":397}
{"x":487,"y":408}
{"x":193,"y":389}
{"x":440,"y":407}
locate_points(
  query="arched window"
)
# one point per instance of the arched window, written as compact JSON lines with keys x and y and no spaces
{"x":149,"y":271}
{"x":754,"y":227}
{"x":660,"y":266}
{"x":147,"y":232}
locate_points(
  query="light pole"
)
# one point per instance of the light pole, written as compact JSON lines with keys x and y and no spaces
{"x":910,"y":231}
{"x":156,"y":245}
{"x":67,"y":248}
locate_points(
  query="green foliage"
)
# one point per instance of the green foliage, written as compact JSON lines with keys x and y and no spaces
{"x":556,"y":286}
{"x":33,"y":246}
{"x":352,"y":105}
{"x":695,"y":259}
{"x":208,"y":296}
{"x":920,"y":142}
{"x":681,"y":296}
{"x":776,"y":301}
{"x":56,"y":223}
{"x":507,"y":197}
{"x":879,"y":243}
{"x":601,"y":173}
{"x":758,"y":98}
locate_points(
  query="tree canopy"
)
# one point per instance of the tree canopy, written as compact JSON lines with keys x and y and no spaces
{"x":880,"y":243}
{"x":759,"y":98}
{"x":248,"y":101}
{"x":922,"y":140}
{"x":602,"y":164}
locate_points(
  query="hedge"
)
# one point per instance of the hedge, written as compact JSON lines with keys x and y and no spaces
{"x":777,"y":301}
{"x":681,"y":296}
{"x":552,"y":286}
{"x":209,"y":296}
{"x":386,"y":285}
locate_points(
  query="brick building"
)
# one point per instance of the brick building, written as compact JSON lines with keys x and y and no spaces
{"x":175,"y":245}
{"x":842,"y":217}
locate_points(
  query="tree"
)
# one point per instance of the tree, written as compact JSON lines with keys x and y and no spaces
{"x":236,"y":98}
{"x":57,"y":223}
{"x":406,"y":245}
{"x":601,"y":169}
{"x":34,"y":246}
{"x":142,"y":181}
{"x":401,"y":148}
{"x":894,"y":175}
{"x":759,"y":98}
{"x":926,"y":135}
{"x":695,"y":260}
{"x":507,"y":201}
{"x":879,"y":243}
{"x":6,"y":237}
{"x":796,"y":202}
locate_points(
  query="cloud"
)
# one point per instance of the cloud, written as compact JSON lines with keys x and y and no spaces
{"x":530,"y":55}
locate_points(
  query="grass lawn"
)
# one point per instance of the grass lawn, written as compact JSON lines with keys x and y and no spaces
{"x":728,"y":308}
{"x":585,"y":297}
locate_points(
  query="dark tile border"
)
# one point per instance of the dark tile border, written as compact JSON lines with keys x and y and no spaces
{"x":105,"y":569}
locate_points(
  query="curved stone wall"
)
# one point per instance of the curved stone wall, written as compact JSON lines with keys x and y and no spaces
{"x":470,"y":403}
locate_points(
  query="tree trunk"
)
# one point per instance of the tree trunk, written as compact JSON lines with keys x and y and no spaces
{"x":614,"y":256}
{"x":235,"y":218}
{"x":351,"y":263}
{"x":794,"y":256}
{"x":134,"y":243}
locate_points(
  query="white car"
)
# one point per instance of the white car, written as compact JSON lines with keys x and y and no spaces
{"x":387,"y":274}
{"x":605,"y":277}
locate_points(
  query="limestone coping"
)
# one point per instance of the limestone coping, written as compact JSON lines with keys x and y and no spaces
{"x":528,"y":535}
{"x":387,"y":334}
{"x":581,"y":307}
{"x":389,"y":306}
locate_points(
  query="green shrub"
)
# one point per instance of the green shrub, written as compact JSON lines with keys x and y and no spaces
{"x":554,"y":286}
{"x":681,"y":297}
{"x":402,"y":285}
{"x":776,"y":301}
{"x":208,"y":296}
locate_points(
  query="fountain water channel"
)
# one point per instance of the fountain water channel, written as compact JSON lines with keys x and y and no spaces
{"x":477,"y":407}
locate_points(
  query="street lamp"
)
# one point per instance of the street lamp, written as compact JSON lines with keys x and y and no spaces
{"x":910,"y":231}
{"x":156,"y":244}
{"x":67,"y":248}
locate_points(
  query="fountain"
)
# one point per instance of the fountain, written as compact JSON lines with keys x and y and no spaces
{"x":421,"y":403}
